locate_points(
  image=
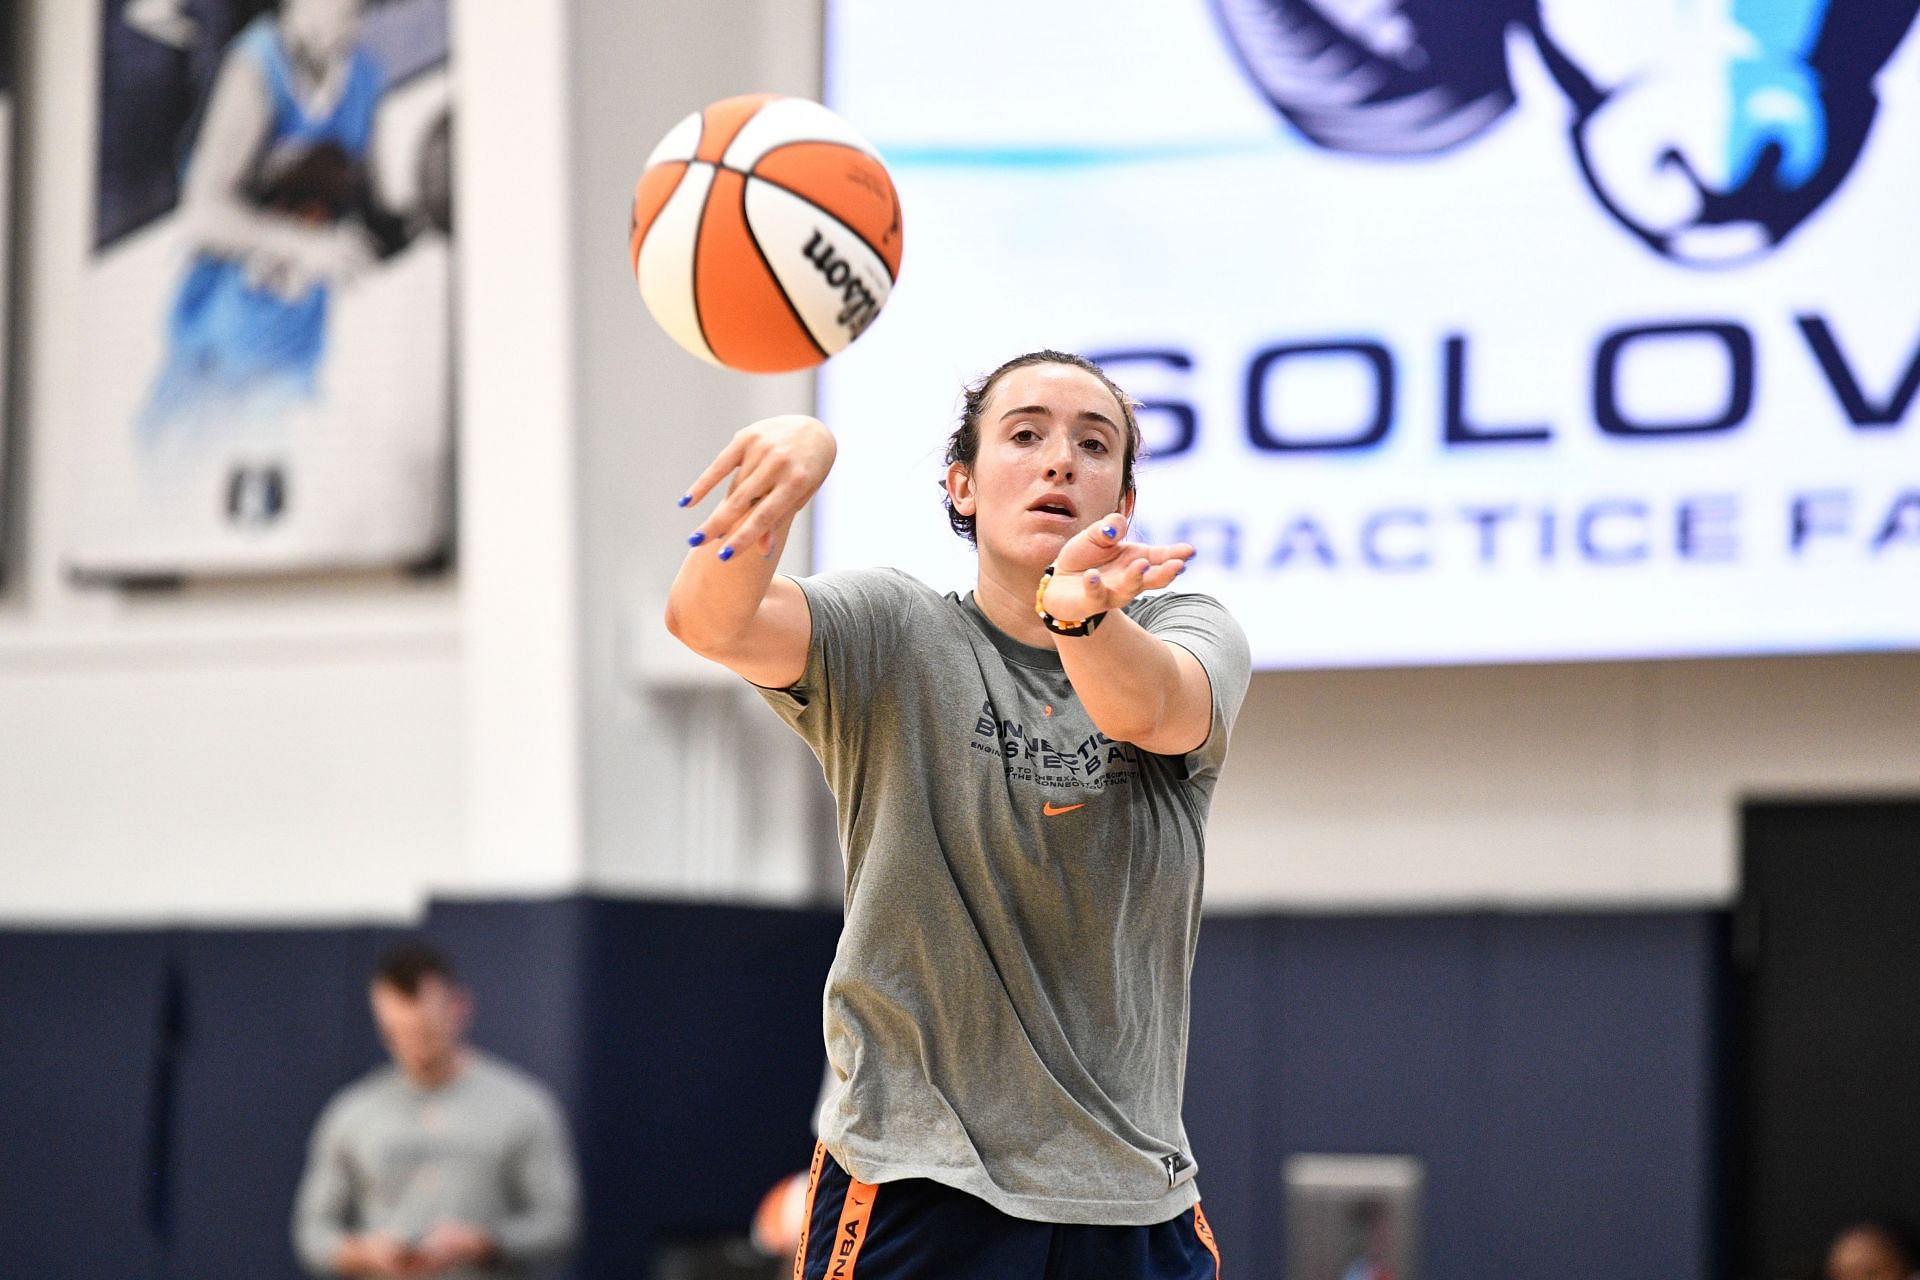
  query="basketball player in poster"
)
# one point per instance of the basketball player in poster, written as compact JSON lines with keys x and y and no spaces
{"x":279,"y":206}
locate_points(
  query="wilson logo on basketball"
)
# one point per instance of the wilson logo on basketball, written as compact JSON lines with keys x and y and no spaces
{"x":859,"y":305}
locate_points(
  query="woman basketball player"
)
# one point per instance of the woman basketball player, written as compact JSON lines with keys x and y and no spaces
{"x":1023,"y":777}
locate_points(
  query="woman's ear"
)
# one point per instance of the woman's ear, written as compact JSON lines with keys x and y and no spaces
{"x":960,"y":488}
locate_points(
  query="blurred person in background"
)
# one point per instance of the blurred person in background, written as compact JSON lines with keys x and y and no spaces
{"x":1873,"y":1249}
{"x":447,"y":1162}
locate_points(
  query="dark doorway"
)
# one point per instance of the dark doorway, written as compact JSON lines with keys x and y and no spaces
{"x":1826,"y":1076}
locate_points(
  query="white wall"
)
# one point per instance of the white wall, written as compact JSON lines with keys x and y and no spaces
{"x":519,"y":453}
{"x":335,"y":748}
{"x":1596,"y":784}
{"x":691,"y":786}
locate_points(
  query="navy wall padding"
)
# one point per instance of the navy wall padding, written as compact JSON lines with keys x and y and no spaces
{"x":1605,"y":1082}
{"x":1555,"y":1074}
{"x":704,"y":1065}
{"x":1231,"y":1043}
{"x":78,"y":1013}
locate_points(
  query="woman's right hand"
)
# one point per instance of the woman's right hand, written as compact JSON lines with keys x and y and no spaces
{"x":777,"y":465}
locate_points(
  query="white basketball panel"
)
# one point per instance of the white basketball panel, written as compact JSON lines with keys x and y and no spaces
{"x":788,"y":120}
{"x":665,"y":269}
{"x":681,"y":143}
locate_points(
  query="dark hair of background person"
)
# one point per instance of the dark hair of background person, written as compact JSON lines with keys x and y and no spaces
{"x":405,"y":965}
{"x":963,"y":446}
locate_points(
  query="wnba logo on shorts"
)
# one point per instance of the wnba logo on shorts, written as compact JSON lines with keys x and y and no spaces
{"x":847,"y":1250}
{"x":1711,"y":132}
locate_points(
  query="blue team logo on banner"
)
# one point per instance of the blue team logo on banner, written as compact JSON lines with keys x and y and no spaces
{"x":1711,"y":130}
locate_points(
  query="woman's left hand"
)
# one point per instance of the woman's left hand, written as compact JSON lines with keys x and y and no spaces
{"x":1098,"y":570}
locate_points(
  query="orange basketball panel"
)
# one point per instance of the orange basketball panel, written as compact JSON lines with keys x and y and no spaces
{"x":721,"y":121}
{"x":649,"y":195}
{"x":749,"y":324}
{"x":846,"y":182}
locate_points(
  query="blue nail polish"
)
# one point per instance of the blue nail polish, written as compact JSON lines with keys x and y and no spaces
{"x":1109,"y":530}
{"x":726,"y":553}
{"x":685,"y":498}
{"x":1093,"y":579}
{"x":696,"y":539}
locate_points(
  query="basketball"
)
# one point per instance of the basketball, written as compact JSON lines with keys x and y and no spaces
{"x":782,"y":1215}
{"x":766,"y":233}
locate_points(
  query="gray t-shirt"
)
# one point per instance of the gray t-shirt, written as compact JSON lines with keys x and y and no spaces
{"x":1007,"y":1010}
{"x":489,"y":1149}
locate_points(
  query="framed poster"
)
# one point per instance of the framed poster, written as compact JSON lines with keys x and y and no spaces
{"x":1470,"y":331}
{"x":269,"y":385}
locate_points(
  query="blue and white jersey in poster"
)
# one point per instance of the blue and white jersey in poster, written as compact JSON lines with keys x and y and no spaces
{"x":238,"y":344}
{"x":1467,"y":330}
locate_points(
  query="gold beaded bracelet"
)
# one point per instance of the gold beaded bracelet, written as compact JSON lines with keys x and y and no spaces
{"x":1059,"y":626}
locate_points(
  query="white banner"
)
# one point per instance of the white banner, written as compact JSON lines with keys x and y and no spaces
{"x":1520,"y":332}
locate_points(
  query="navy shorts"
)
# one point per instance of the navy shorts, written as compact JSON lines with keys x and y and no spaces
{"x":916,"y":1229}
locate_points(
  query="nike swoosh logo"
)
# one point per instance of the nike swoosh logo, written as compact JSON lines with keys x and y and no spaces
{"x":1053,"y":811}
